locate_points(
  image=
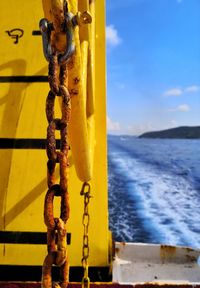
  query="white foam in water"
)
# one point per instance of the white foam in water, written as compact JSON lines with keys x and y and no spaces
{"x":168,"y":203}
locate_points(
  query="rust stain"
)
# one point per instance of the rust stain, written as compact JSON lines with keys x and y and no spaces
{"x":76,"y":80}
{"x":73,"y":92}
{"x":117,"y":250}
{"x":167,"y":252}
{"x":191,"y":258}
{"x":189,"y":250}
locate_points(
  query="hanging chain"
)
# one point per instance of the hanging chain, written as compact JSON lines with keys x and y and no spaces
{"x":56,"y":227}
{"x":85,"y":191}
{"x":56,"y":230}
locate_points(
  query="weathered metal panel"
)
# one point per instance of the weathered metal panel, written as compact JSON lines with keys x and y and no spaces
{"x":139,"y":263}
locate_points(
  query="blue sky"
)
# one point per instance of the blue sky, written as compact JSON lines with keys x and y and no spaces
{"x":153,"y":64}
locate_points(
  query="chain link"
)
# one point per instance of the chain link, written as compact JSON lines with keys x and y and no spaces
{"x":85,"y":191}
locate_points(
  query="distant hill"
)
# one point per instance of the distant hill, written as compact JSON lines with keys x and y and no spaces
{"x":183,"y":132}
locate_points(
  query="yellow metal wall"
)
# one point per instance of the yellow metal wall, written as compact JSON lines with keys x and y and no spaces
{"x":23,"y":172}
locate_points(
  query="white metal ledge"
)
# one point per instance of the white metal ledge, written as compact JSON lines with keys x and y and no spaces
{"x":163,"y":264}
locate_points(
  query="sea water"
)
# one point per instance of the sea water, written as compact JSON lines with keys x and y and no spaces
{"x":154,"y":190}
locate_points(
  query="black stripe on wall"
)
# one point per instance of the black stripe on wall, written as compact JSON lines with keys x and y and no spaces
{"x":16,"y":237}
{"x":22,"y":143}
{"x":36,"y":33}
{"x":11,"y":273}
{"x":23,"y":79}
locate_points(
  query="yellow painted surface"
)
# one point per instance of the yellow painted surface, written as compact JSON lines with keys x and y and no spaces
{"x":23,"y":172}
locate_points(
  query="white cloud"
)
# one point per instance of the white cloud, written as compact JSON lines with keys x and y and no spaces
{"x":173,"y":92}
{"x":192,"y":89}
{"x":180,"y":91}
{"x":183,"y":108}
{"x":112,"y":36}
{"x":112,"y":126}
{"x":180,"y":108}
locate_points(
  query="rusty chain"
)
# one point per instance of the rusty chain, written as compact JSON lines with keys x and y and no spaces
{"x":85,"y":191}
{"x":56,"y":230}
{"x":56,"y":227}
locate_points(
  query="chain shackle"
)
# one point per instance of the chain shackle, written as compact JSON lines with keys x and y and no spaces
{"x":46,"y":28}
{"x":70,"y":21}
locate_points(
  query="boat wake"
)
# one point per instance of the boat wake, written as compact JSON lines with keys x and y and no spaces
{"x":151,"y":201}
